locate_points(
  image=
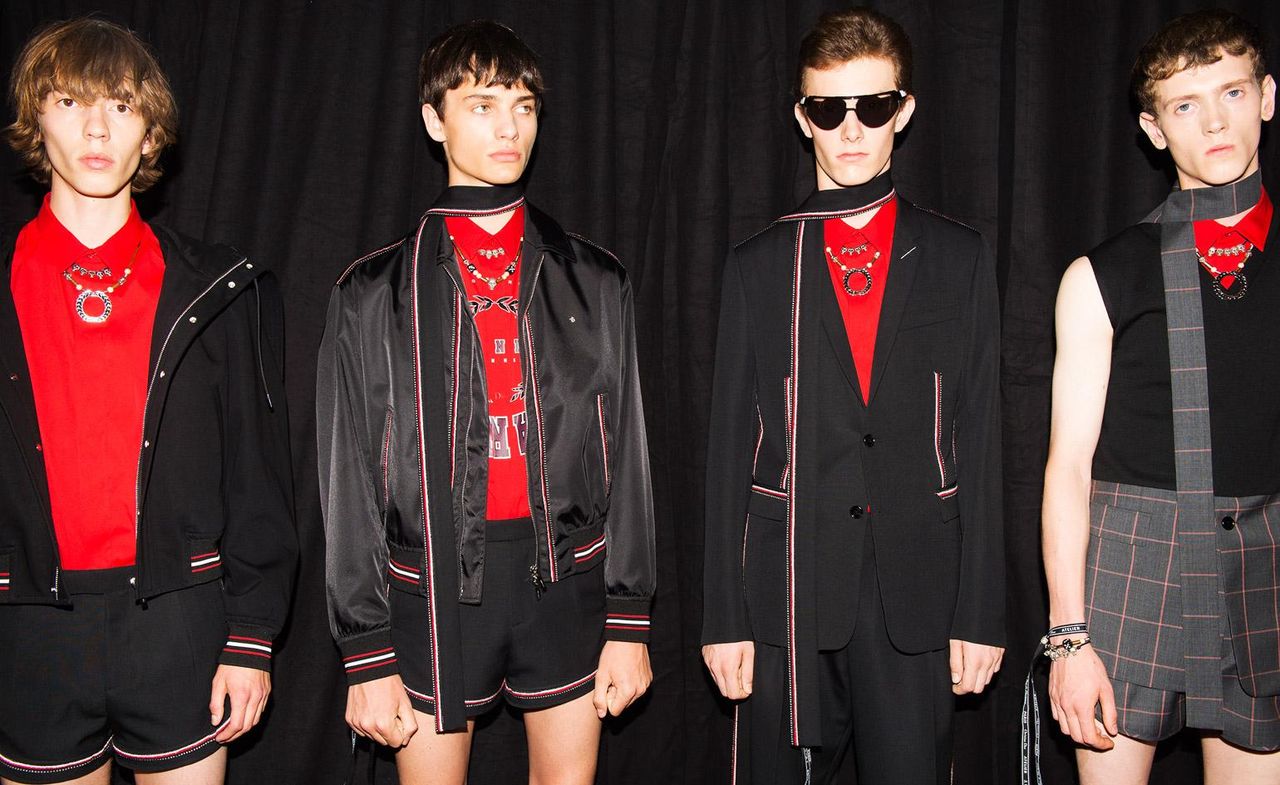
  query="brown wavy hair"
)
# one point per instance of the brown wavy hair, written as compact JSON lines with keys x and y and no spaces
{"x":87,"y":59}
{"x":1191,"y":40}
{"x":840,"y":36}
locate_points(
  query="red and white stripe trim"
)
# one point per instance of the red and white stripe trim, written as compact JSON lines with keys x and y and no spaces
{"x":370,"y":659}
{"x":241,"y":644}
{"x":552,"y":691}
{"x":777,"y":494}
{"x":192,"y":747}
{"x":947,"y":493}
{"x":55,"y":768}
{"x":793,"y":407}
{"x":824,"y":214}
{"x":422,"y":696}
{"x":457,"y":211}
{"x":604,"y":439}
{"x":419,"y":413}
{"x":638,"y":622}
{"x":206,"y":561}
{"x":402,"y":572}
{"x":4,"y":581}
{"x":590,"y":549}
{"x":937,"y":426}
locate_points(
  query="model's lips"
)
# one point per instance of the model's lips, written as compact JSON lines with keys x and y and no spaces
{"x":1220,"y":149}
{"x":97,"y":161}
{"x":853,"y":157}
{"x":506,"y":156}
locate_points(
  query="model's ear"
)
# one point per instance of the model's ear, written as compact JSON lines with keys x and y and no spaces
{"x":147,"y":144}
{"x":433,"y":122}
{"x":1152,"y":129}
{"x":802,"y":121}
{"x":904,"y":113}
{"x":1268,"y":97}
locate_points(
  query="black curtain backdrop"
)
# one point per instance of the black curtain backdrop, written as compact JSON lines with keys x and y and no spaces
{"x":667,"y":136}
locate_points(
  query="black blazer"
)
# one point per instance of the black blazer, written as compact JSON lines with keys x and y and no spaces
{"x":801,"y":474}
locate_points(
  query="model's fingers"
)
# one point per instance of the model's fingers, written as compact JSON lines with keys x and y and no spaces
{"x":748,"y":669}
{"x":600,"y":695}
{"x":408,"y":720}
{"x":956,"y":661}
{"x":1107,"y":699}
{"x":216,"y":700}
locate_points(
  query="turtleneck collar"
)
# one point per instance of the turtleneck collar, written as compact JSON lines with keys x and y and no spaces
{"x":475,"y":201}
{"x":840,"y":202}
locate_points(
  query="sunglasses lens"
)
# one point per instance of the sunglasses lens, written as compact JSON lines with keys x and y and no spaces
{"x":875,"y":110}
{"x":826,"y":113}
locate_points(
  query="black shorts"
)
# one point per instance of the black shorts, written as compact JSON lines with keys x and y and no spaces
{"x":108,"y":678}
{"x":534,"y":652}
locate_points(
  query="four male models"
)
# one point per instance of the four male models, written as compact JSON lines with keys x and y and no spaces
{"x":483,"y":463}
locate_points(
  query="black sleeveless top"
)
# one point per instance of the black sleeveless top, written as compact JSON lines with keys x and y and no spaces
{"x":1242,"y":343}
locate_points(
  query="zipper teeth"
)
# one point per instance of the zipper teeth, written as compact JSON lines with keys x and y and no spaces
{"x":386,"y":462}
{"x":146,"y":404}
{"x":537,"y":410}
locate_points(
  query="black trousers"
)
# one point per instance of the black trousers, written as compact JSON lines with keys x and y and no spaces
{"x":892,"y":710}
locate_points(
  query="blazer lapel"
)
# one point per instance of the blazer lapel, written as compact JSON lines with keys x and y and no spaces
{"x":902,"y":274}
{"x":823,"y":296}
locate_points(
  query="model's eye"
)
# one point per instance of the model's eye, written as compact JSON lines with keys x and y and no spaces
{"x":1182,"y":108}
{"x":66,"y":102}
{"x":1235,"y":92}
{"x":481,"y":109}
{"x":524,"y":109}
{"x":121,"y":108}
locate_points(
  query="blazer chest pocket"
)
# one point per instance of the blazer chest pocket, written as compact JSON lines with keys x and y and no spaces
{"x":931,"y":313}
{"x":765,"y":564}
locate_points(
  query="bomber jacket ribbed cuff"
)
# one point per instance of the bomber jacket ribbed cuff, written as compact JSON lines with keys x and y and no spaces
{"x":368,"y":657}
{"x":247,"y":647}
{"x":627,"y":619}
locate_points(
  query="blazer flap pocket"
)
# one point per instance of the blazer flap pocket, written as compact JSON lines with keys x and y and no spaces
{"x":766,"y":502}
{"x":930,"y":314}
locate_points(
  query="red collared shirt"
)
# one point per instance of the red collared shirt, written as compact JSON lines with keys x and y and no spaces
{"x":494,"y":310}
{"x":861,"y":315}
{"x":1250,"y":230}
{"x":89,"y":380}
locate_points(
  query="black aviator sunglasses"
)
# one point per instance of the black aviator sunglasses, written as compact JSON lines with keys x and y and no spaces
{"x":828,"y":111}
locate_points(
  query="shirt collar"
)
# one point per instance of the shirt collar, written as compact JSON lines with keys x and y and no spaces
{"x":1253,"y":227}
{"x":471,"y":238}
{"x":60,"y":248}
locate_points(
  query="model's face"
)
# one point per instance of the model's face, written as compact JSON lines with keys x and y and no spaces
{"x":1210,"y":118}
{"x":852,"y":153}
{"x":94,"y":149}
{"x":487,"y":132}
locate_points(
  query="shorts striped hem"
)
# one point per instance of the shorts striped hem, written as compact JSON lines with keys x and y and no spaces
{"x":554,"y":696}
{"x":59,"y":771}
{"x":471,"y":703}
{"x":160,"y":761}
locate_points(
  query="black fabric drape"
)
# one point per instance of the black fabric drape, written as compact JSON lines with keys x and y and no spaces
{"x":667,"y":136}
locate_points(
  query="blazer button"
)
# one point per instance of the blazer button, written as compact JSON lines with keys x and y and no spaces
{"x":869,"y":440}
{"x":1228,"y":523}
{"x":855,"y":511}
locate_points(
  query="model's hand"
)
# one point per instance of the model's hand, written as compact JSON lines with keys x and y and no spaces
{"x":248,"y":689}
{"x":973,"y":665}
{"x":380,"y":710}
{"x":1077,"y":684}
{"x":733,"y":666}
{"x":623,"y":676}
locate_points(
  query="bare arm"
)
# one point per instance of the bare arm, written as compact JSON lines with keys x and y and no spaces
{"x":1081,"y":372}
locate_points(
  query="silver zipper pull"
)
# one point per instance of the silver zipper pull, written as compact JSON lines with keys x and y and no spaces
{"x":538,"y":586}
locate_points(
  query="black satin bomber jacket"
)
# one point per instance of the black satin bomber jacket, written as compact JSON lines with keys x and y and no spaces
{"x":403,"y":436}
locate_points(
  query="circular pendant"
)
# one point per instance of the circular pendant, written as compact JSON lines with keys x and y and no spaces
{"x":866,"y":275}
{"x":1237,"y":290}
{"x":95,"y":294}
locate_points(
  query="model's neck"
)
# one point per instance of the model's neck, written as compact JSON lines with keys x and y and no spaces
{"x":92,"y":220}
